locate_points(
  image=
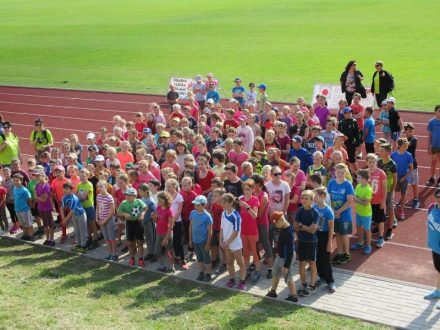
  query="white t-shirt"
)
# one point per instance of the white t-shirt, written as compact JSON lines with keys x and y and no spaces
{"x":230,"y":224}
{"x":251,"y":98}
{"x":246,"y":134}
{"x":276,"y":195}
{"x":175,"y":205}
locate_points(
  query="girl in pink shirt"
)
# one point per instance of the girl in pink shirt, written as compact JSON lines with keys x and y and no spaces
{"x":237,"y":156}
{"x":144,"y":174}
{"x":171,"y":162}
{"x":164,"y":219}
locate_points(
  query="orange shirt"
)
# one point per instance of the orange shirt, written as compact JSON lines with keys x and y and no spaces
{"x":125,"y":158}
{"x":57,"y":188}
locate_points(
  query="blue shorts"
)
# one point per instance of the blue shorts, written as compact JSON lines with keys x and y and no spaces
{"x":395,"y":136}
{"x":90,"y":213}
{"x":363,"y":221}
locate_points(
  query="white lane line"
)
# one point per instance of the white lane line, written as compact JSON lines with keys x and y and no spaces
{"x":53,"y":116}
{"x":58,"y":128}
{"x":399,"y":244}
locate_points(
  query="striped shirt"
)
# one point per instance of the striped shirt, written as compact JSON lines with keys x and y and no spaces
{"x":104,"y":202}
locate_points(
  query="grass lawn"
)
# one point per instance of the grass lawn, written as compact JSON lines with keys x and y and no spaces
{"x":44,"y":288}
{"x":137,"y":45}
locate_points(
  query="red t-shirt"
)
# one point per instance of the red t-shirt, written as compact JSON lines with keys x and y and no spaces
{"x":376,"y":181}
{"x":174,"y":166}
{"x":264,"y":218}
{"x":293,"y":191}
{"x":230,"y":123}
{"x":249,"y":224}
{"x":205,"y":183}
{"x":140,"y":127}
{"x":163,"y":220}
{"x":197,"y":189}
{"x":3,"y":193}
{"x":358,"y":109}
{"x":329,"y":153}
{"x":216,"y":211}
{"x":187,"y":206}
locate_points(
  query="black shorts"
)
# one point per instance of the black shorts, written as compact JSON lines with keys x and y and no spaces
{"x":215,"y":238}
{"x":369,"y":148}
{"x":351,"y":152}
{"x":35,"y":212}
{"x":436,"y":260}
{"x":378,"y":213}
{"x":134,"y":231}
{"x":307,"y":251}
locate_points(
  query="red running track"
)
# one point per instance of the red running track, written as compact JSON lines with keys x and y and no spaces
{"x":65,"y":112}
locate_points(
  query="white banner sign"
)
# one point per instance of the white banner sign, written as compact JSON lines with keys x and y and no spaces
{"x":333,"y":94}
{"x":183,"y":86}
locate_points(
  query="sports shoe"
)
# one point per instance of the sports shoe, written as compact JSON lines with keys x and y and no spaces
{"x":124,"y":249}
{"x":141,"y":262}
{"x":230,"y":283}
{"x":272,"y":294}
{"x":184,"y":265}
{"x":39,"y":232}
{"x":395,"y":223}
{"x":200,"y":277}
{"x":357,"y":246}
{"x":389,"y":235}
{"x":109,"y":257}
{"x":221,"y":269}
{"x":13,"y":230}
{"x":292,"y":298}
{"x":81,"y":250}
{"x":241,"y":286}
{"x":255,"y":277}
{"x":207,"y":278}
{"x":433,"y":295}
{"x":114,"y":258}
{"x":344,"y":258}
{"x":161,"y":268}
{"x":336,"y":258}
{"x":367,"y":249}
{"x":438,"y":182}
{"x":430,"y":182}
{"x":332,"y":288}
{"x":401,"y":216}
{"x":148,"y":257}
{"x":319,"y":282}
{"x":306,"y":291}
{"x":415,"y":203}
{"x":190,"y":256}
{"x":169,"y":270}
{"x":131,"y":262}
{"x":380,"y":242}
{"x":46,"y":242}
{"x":51,"y":243}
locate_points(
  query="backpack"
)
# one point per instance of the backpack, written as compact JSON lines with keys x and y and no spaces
{"x":4,"y":137}
{"x":34,"y":134}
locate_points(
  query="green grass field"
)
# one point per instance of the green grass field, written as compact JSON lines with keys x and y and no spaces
{"x":45,"y":289}
{"x":137,"y":45}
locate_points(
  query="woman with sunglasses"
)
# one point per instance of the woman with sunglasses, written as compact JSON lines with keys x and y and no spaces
{"x":382,"y":83}
{"x":351,"y":82}
{"x":9,"y":145}
{"x":41,"y":138}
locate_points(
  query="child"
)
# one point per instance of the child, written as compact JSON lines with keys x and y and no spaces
{"x":22,"y":202}
{"x":8,"y":184}
{"x":317,"y":167}
{"x":238,"y":91}
{"x":293,"y":197}
{"x":388,"y":165}
{"x":369,"y":133}
{"x":396,"y":124}
{"x":306,"y":225}
{"x":200,"y":235}
{"x":132,"y":210}
{"x":285,"y":258}
{"x":434,"y":145}
{"x":34,"y":209}
{"x":362,"y":198}
{"x":413,"y":178}
{"x":404,"y":164}
{"x":4,"y":224}
{"x":230,"y":240}
{"x":44,"y":205}
{"x":105,"y":211}
{"x":164,"y":231}
{"x":251,"y":95}
{"x":384,"y":119}
{"x":78,"y":215}
{"x":341,"y":195}
{"x":57,"y":193}
{"x":85,"y":193}
{"x":325,"y":238}
{"x":149,"y":227}
{"x":358,"y":114}
{"x":329,"y":133}
{"x":216,"y":210}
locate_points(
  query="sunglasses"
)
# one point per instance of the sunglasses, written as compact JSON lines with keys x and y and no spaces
{"x":276,"y":174}
{"x":6,"y":127}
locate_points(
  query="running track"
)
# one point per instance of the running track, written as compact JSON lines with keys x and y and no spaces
{"x":405,"y":258}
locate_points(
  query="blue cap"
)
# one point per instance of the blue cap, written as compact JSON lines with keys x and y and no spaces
{"x":200,"y":200}
{"x":297,"y":138}
{"x":347,"y":110}
{"x":262,"y":86}
{"x":147,"y":130}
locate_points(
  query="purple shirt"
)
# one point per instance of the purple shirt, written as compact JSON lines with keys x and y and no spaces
{"x":41,"y":189}
{"x":322,"y":114}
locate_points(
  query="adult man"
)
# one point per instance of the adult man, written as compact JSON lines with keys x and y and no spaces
{"x":382,"y":83}
{"x":41,"y":138}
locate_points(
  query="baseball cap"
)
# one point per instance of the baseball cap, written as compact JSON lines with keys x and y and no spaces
{"x":209,"y":101}
{"x":147,"y":130}
{"x":381,"y":140}
{"x":198,"y":78}
{"x":93,"y":147}
{"x":242,"y":117}
{"x":347,"y":110}
{"x":319,"y":138}
{"x":165,"y":134}
{"x":130,"y":191}
{"x":90,"y":136}
{"x":384,"y":102}
{"x":60,"y":168}
{"x":391,"y":100}
{"x":99,"y":158}
{"x":200,"y":200}
{"x":144,"y":187}
{"x":297,"y":138}
{"x":237,"y":79}
{"x":262,"y":86}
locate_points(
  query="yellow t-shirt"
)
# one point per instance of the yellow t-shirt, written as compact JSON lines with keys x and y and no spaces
{"x":43,"y":140}
{"x":365,"y":192}
{"x":11,"y":151}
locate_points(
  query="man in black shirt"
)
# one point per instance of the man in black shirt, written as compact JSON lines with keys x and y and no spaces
{"x":232,"y":183}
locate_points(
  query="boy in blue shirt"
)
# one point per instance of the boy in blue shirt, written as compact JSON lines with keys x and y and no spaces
{"x":238,"y":91}
{"x":434,"y":144}
{"x":404,"y":164}
{"x":413,"y":178}
{"x":200,"y":234}
{"x":369,"y":132}
{"x":22,"y":202}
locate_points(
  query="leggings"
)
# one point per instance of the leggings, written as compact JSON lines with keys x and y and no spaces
{"x":177,"y":240}
{"x":12,"y":213}
{"x":250,"y":247}
{"x":186,"y":227}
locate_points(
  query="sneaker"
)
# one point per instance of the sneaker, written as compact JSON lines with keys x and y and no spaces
{"x":241,"y":286}
{"x":153,"y":259}
{"x":131,"y":262}
{"x":401,"y":216}
{"x":255,"y":277}
{"x":332,"y":288}
{"x":114,"y":258}
{"x":63,"y":239}
{"x":305,"y":291}
{"x":221,"y":269}
{"x":230,"y":283}
{"x":389,"y":235}
{"x":252,"y":267}
{"x":380,"y":242}
{"x":357,"y":246}
{"x":13,"y":230}
{"x":109,"y":257}
{"x":39,"y":232}
{"x":344,"y":259}
{"x":395,"y":224}
{"x":51,"y":243}
{"x":148,"y":257}
{"x":319,"y":282}
{"x":433,"y":295}
{"x":430,"y":182}
{"x":161,"y":268}
{"x":141,"y":262}
{"x":190,"y":256}
{"x":184,"y":265}
{"x":124,"y":249}
{"x":415,"y":203}
{"x":367,"y":249}
{"x":46,"y":242}
{"x":25,"y":238}
{"x":336,"y":258}
{"x":207,"y":278}
{"x":272,"y":294}
{"x":200,"y":277}
{"x":292,"y":298}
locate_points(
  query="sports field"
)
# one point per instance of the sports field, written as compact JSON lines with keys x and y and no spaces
{"x":137,"y":45}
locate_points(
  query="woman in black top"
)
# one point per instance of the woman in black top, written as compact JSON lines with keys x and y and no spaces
{"x":351,"y":82}
{"x":382,"y":83}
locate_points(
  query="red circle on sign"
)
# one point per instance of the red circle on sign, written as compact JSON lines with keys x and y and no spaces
{"x":325,"y":92}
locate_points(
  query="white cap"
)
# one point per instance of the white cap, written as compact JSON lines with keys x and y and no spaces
{"x":209,"y":101}
{"x":91,"y":136}
{"x":99,"y":158}
{"x":391,"y":99}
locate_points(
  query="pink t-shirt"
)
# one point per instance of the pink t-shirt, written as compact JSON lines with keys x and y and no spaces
{"x":264,"y":218}
{"x":329,"y":153}
{"x":163,"y":219}
{"x":238,"y":159}
{"x":249,"y":224}
{"x":145,"y":177}
{"x":376,"y":181}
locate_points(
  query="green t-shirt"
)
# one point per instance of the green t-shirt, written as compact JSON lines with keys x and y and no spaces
{"x":81,"y":190}
{"x":43,"y":140}
{"x":134,"y":209}
{"x":31,"y":187}
{"x":262,"y":99}
{"x":365,"y":192}
{"x":11,"y":151}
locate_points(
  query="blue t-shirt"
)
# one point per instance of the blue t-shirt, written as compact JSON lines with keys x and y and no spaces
{"x":371,"y":136}
{"x":305,"y":158}
{"x":200,"y":223}
{"x":434,"y":229}
{"x":403,"y":161}
{"x":73,"y":203}
{"x":307,"y":218}
{"x":325,"y":215}
{"x":338,"y":195}
{"x":21,"y":197}
{"x":151,"y":207}
{"x":214,"y":95}
{"x":238,"y":90}
{"x":434,"y":128}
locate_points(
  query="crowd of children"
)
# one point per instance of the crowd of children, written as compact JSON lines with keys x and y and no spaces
{"x":245,"y":185}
